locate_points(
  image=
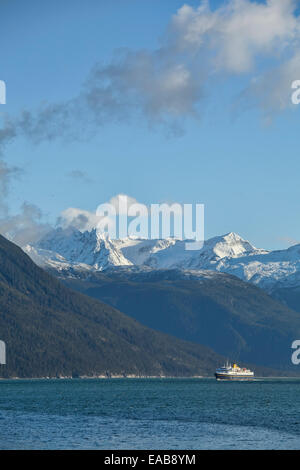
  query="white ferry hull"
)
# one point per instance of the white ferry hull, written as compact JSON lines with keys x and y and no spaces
{"x":233,"y":377}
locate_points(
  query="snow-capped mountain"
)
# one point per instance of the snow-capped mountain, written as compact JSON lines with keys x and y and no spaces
{"x":229,"y":246}
{"x":65,"y":249}
{"x":269,"y":270}
{"x":90,"y":249}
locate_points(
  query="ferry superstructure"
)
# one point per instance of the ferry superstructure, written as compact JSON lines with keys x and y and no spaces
{"x":233,"y":372}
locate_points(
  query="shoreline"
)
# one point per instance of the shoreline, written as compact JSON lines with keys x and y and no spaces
{"x":116,"y":377}
{"x":104,"y":377}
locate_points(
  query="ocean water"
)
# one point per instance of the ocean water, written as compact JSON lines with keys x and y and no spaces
{"x":149,"y":414}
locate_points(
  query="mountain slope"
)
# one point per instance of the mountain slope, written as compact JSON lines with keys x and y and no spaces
{"x":218,"y":310}
{"x":51,"y":330}
{"x":289,"y":296}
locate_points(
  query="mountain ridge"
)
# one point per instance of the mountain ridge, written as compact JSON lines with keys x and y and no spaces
{"x":230,"y":253}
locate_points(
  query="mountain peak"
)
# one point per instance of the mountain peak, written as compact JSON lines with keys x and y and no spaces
{"x":229,"y":245}
{"x":232,"y":236}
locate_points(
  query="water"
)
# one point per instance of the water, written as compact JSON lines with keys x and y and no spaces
{"x":149,"y":414}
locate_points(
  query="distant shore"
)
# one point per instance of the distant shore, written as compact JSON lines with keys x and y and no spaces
{"x":102,"y":377}
{"x":86,"y":377}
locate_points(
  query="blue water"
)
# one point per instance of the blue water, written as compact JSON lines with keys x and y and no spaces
{"x":149,"y":414}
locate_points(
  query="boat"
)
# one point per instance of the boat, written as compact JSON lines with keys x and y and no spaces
{"x":233,"y":372}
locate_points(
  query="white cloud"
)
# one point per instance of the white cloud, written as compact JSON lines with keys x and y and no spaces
{"x":25,"y":227}
{"x":238,"y":32}
{"x":88,"y":220}
{"x":271,"y":92}
{"x":235,"y":39}
{"x":78,"y":218}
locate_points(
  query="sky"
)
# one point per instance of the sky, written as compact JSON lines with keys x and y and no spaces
{"x":164,"y":101}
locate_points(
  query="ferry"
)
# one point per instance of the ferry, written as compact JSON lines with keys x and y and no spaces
{"x":234,"y":372}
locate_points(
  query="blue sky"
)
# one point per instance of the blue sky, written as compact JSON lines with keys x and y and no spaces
{"x":237,"y":157}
